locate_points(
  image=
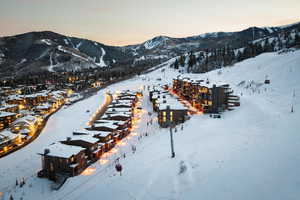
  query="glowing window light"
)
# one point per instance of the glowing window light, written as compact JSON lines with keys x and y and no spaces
{"x":89,"y":171}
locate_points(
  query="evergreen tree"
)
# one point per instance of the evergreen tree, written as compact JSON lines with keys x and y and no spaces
{"x":192,"y":62}
{"x":176,"y":64}
{"x":182,"y":61}
{"x":297,"y":39}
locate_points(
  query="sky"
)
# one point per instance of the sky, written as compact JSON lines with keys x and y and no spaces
{"x":123,"y":22}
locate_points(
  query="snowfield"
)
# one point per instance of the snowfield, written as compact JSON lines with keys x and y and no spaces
{"x":250,"y":153}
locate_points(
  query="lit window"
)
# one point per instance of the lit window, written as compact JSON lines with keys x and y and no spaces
{"x":164,"y":119}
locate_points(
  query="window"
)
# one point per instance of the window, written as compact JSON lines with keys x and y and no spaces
{"x":164,"y":119}
{"x":171,"y":116}
{"x":51,"y":167}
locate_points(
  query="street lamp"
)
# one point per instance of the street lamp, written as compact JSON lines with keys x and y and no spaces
{"x":172,"y":143}
{"x":170,"y":123}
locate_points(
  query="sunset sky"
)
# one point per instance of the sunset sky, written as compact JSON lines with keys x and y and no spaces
{"x":122,"y":22}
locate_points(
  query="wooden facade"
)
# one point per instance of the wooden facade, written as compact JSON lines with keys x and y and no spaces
{"x":62,"y":160}
{"x":89,"y":143}
{"x":205,"y":96}
{"x":169,"y":116}
{"x":6,"y":119}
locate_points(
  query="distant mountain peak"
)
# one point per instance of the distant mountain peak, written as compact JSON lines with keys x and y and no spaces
{"x":156,"y":41}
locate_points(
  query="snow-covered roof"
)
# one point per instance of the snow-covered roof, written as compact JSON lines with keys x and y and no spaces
{"x":7,"y":135}
{"x":24,"y":131}
{"x":6,"y":114}
{"x":116,"y":115}
{"x":15,"y":97}
{"x":173,"y":106}
{"x":86,"y":138}
{"x":110,"y":125}
{"x":104,"y":134}
{"x":62,"y":150}
{"x":127,"y":103}
{"x":27,"y":119}
{"x":7,"y":106}
{"x":44,"y":106}
{"x":115,"y":122}
{"x":118,"y":110}
{"x":210,"y":84}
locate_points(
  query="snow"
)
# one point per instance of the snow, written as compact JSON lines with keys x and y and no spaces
{"x":6,"y":114}
{"x":86,"y":138}
{"x":21,"y":62}
{"x":150,"y":44}
{"x":62,"y":150}
{"x":288,"y":25}
{"x":47,"y":41}
{"x":66,"y":41}
{"x":269,"y":30}
{"x":78,"y":45}
{"x":50,"y":68}
{"x":250,"y":153}
{"x":101,"y":60}
{"x":63,"y":49}
{"x":7,"y":135}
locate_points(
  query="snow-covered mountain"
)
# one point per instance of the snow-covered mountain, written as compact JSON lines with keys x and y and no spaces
{"x":54,"y":52}
{"x":170,"y":47}
{"x":35,"y":51}
{"x":250,"y":153}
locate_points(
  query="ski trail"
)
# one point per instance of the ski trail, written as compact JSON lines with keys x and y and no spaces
{"x":101,"y":61}
{"x":50,"y":68}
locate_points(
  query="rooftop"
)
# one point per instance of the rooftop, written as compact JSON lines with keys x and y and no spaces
{"x":62,"y":150}
{"x":6,"y":114}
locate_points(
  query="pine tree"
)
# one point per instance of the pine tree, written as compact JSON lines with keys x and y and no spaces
{"x":182,"y":61}
{"x":239,"y":56}
{"x":176,"y":64}
{"x":192,"y":62}
{"x":297,"y":39}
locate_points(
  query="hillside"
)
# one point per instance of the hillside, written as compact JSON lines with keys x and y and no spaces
{"x":48,"y":51}
{"x":34,"y":51}
{"x":250,"y":153}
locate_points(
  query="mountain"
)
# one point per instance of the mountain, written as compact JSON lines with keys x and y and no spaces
{"x":171,"y":47}
{"x":54,"y":52}
{"x":38,"y":51}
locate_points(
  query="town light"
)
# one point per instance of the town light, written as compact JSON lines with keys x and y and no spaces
{"x":89,"y":171}
{"x":121,"y":143}
{"x":103,"y":161}
{"x":21,"y":107}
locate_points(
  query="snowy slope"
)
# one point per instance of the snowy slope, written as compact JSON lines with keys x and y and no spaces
{"x":101,"y":60}
{"x":250,"y":153}
{"x":150,"y":44}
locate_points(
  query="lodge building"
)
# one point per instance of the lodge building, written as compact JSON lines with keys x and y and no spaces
{"x":60,"y":159}
{"x":6,"y":119}
{"x":71,"y":156}
{"x":169,"y":109}
{"x":204,"y":95}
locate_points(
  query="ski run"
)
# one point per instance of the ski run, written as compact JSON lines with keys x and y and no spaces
{"x":249,"y":153}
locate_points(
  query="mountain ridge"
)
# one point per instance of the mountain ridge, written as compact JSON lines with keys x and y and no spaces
{"x":51,"y":51}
